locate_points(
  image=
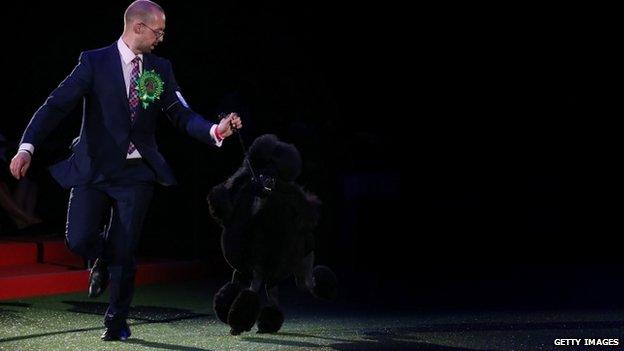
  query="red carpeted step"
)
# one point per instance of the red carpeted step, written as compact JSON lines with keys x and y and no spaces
{"x":49,"y":279}
{"x":40,"y":279}
{"x":55,"y":251}
{"x":17,"y":253}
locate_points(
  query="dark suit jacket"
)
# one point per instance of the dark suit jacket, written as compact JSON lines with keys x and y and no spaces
{"x":106,"y":130}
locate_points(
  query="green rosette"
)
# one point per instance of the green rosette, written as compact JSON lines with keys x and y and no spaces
{"x":150,"y":86}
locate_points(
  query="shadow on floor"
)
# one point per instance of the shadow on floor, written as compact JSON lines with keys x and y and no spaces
{"x":152,"y":314}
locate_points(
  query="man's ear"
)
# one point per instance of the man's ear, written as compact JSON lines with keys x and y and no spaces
{"x":137,"y":28}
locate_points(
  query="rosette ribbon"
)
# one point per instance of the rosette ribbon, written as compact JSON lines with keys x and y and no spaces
{"x":150,"y":86}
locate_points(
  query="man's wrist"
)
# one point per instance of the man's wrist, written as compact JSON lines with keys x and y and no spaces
{"x":26,"y":147}
{"x":25,"y":152}
{"x":217,"y":134}
{"x":213,"y":134}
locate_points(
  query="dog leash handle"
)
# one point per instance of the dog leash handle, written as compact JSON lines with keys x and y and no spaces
{"x":223,"y":115}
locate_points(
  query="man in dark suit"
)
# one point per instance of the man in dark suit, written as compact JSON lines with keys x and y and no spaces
{"x":115,"y":161}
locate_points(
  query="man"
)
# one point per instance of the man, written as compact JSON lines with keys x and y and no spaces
{"x":115,"y":161}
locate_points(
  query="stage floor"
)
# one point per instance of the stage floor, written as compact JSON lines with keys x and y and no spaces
{"x":178,"y":316}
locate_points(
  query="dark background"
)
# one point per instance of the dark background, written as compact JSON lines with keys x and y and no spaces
{"x":464,"y":156}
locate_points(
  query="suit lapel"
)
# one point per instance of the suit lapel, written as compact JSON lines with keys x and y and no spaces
{"x":118,"y":78}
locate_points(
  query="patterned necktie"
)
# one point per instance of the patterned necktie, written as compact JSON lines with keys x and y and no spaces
{"x":133,"y":96}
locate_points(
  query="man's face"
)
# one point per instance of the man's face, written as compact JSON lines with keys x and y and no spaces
{"x":152,"y":33}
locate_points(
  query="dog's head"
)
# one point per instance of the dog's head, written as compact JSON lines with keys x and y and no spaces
{"x":271,"y":157}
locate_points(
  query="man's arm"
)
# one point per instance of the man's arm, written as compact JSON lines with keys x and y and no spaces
{"x":56,"y":107}
{"x":190,"y":122}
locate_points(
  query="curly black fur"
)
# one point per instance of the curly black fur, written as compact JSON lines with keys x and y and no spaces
{"x":272,"y":234}
{"x":270,"y":320}
{"x":224,"y":298}
{"x":275,"y":158}
{"x":244,"y":312}
{"x":267,"y":236}
{"x":325,"y":283}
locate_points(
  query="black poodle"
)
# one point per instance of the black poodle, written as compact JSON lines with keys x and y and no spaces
{"x":268,"y":222}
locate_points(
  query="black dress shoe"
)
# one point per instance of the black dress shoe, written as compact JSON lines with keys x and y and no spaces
{"x":98,"y":278}
{"x":116,"y":334}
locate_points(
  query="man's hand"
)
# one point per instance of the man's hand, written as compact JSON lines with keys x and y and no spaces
{"x":20,"y":164}
{"x":228,"y":124}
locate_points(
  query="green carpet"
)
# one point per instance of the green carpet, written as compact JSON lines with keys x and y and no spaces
{"x":164,"y":316}
{"x":179,"y":317}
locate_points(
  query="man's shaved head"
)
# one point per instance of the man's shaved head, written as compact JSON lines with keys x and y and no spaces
{"x":144,"y":26}
{"x":142,"y":11}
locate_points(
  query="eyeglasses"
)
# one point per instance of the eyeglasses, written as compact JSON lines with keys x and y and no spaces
{"x":158,"y":33}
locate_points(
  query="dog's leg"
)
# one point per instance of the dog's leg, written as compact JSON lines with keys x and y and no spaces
{"x":271,"y":317}
{"x":245,"y":308}
{"x":256,"y":283}
{"x":303,"y":273}
{"x":240,"y":278}
{"x":320,"y":281}
{"x":273,"y":295}
{"x":224,"y":298}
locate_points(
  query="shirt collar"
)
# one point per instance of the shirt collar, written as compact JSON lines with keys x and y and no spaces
{"x":126,"y":54}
